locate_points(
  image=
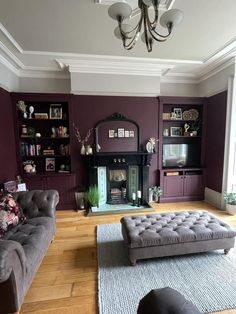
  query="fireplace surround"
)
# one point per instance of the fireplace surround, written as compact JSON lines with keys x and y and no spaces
{"x":135,"y":165}
{"x":118,"y":167}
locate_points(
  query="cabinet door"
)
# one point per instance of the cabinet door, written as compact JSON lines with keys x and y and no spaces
{"x":34,"y":183}
{"x":65,"y":185}
{"x":173,"y":186}
{"x":193,"y":185}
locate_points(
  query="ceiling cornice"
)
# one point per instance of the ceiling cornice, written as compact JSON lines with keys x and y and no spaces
{"x":11,"y":51}
{"x":10,"y":38}
{"x":114,"y":65}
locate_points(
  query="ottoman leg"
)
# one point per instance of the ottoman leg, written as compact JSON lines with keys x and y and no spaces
{"x":133,"y":262}
{"x":226,"y":251}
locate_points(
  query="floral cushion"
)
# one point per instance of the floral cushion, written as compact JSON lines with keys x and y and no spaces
{"x":10,"y":213}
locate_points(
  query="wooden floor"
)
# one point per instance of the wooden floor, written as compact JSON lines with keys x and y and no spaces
{"x":66,"y":282}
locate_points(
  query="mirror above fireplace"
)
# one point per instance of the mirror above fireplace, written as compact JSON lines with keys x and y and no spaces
{"x":116,"y":133}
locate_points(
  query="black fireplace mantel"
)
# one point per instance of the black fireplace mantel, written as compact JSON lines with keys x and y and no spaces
{"x":140,"y":158}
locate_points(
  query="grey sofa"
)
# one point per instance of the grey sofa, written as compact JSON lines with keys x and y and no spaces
{"x":23,"y":247}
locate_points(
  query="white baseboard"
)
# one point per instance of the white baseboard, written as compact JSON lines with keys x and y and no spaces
{"x":214,"y":198}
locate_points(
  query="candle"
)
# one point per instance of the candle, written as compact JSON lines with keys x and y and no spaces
{"x":133,"y":196}
{"x":139,"y":194}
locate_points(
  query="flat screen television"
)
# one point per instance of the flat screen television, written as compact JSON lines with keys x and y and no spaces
{"x":181,"y":155}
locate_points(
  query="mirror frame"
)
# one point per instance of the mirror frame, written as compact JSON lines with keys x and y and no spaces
{"x":115,"y":117}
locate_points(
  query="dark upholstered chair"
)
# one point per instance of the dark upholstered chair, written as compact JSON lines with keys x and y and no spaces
{"x":166,"y":301}
{"x":23,"y":247}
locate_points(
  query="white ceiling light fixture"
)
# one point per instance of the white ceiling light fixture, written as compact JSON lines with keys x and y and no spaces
{"x":120,"y":11}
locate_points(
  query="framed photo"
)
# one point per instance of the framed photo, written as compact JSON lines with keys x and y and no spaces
{"x":178,"y":113}
{"x":55,"y":112}
{"x":126,"y":133}
{"x":121,"y":132}
{"x":49,"y":164}
{"x":131,"y":133}
{"x":111,"y":133}
{"x":175,"y":131}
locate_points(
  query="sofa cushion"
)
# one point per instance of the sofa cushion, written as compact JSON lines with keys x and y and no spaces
{"x":10,"y":213}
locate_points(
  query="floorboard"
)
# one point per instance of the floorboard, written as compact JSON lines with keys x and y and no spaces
{"x":66,"y":281}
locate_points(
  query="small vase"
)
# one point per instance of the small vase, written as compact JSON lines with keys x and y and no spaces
{"x":82,"y":151}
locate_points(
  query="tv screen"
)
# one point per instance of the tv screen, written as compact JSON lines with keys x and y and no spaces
{"x":181,"y":155}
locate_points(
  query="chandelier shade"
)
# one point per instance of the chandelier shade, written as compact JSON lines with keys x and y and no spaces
{"x":129,"y":34}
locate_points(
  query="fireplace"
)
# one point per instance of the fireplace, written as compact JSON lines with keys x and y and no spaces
{"x":119,"y":175}
{"x":117,"y":166}
{"x":117,"y":184}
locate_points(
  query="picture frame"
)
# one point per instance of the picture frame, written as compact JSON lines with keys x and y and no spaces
{"x":131,"y":133}
{"x":121,"y":132}
{"x":49,"y":164}
{"x":176,"y":131}
{"x":126,"y":133}
{"x":111,"y":133}
{"x":55,"y":111}
{"x":178,"y":113}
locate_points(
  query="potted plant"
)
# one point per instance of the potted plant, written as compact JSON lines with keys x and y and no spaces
{"x":230,"y":200}
{"x":92,"y":197}
{"x":157,"y":192}
{"x":194,"y":127}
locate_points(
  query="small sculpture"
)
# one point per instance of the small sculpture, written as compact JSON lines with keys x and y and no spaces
{"x":186,"y":127}
{"x":31,"y":111}
{"x":151,"y":145}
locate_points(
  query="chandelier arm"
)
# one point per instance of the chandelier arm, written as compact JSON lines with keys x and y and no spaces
{"x":152,"y":24}
{"x":148,"y":40}
{"x":133,"y":41}
{"x":158,"y":34}
{"x":126,"y":33}
{"x":156,"y":38}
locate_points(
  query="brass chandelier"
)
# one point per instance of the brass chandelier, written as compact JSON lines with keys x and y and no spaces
{"x":120,"y":11}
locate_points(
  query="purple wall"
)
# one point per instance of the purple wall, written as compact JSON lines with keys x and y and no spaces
{"x":215,"y":140}
{"x":86,"y":111}
{"x":8,"y":169}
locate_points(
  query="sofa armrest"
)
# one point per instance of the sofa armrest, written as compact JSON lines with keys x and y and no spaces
{"x":38,"y":203}
{"x":9,"y":252}
{"x":12,"y":276}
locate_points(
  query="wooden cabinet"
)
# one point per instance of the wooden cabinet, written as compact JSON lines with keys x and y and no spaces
{"x":42,"y":132}
{"x":181,"y":147}
{"x":182,"y":185}
{"x":63,"y":183}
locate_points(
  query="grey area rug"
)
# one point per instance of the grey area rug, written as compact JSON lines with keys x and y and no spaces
{"x":208,"y":279}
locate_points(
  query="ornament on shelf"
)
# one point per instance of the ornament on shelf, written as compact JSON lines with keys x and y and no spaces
{"x":31,"y":111}
{"x":22,"y":107}
{"x":80,"y":140}
{"x":151,"y":145}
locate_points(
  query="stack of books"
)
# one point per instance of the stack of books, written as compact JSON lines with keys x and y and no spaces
{"x":48,"y":152}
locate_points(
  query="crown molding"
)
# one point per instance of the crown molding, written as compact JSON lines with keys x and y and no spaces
{"x":114,"y":66}
{"x":9,"y":65}
{"x":179,"y":78}
{"x":216,"y":70}
{"x":219,"y":60}
{"x":43,"y":72}
{"x":14,"y":60}
{"x":10,"y":38}
{"x":99,"y":93}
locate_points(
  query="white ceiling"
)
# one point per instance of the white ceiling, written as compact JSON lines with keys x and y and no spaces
{"x":48,"y":35}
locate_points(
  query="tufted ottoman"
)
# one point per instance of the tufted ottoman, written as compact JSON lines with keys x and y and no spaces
{"x":175,"y":233}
